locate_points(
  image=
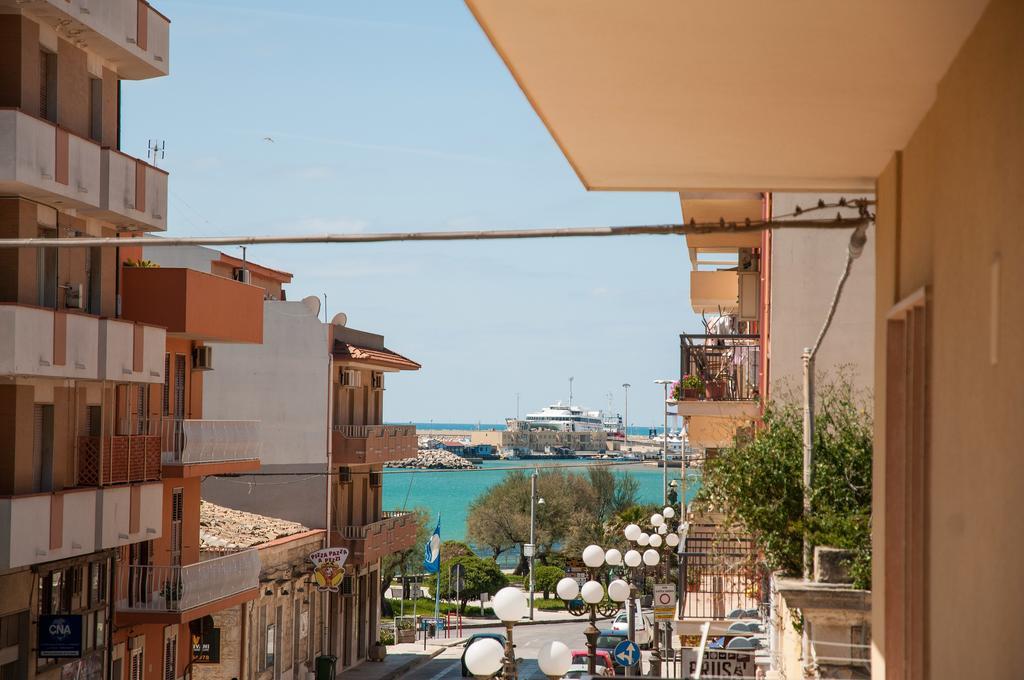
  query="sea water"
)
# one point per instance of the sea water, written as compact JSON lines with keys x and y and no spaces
{"x":451,"y":492}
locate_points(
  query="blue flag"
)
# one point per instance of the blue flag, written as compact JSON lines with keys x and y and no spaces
{"x":432,"y":550}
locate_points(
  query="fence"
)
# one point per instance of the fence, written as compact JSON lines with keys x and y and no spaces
{"x":209,"y":441}
{"x":722,"y":575}
{"x":159,"y":588}
{"x":729,"y":365}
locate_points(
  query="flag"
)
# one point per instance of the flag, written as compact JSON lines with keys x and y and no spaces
{"x":432,"y":550}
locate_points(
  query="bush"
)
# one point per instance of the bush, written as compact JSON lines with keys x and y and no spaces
{"x":545,"y":579}
{"x":387,"y":635}
{"x":479,"y":576}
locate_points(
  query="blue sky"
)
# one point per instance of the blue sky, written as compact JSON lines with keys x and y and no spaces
{"x":399,"y":115}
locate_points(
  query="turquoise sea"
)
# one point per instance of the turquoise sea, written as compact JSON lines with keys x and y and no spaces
{"x":634,"y":430}
{"x":451,"y":492}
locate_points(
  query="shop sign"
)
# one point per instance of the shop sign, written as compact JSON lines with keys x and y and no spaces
{"x":717,"y":663}
{"x":60,"y":636}
{"x":664,"y":601}
{"x":206,"y":645}
{"x":329,"y":567}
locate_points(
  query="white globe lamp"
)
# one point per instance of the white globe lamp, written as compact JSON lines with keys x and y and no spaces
{"x":651,"y":557}
{"x":592,"y":592}
{"x":618,"y":590}
{"x":631,"y":532}
{"x":510,"y":604}
{"x":554,"y":659}
{"x":672,"y":540}
{"x":484,"y":657}
{"x":613,"y":557}
{"x":567,"y":588}
{"x":657,"y":520}
{"x":643,"y":540}
{"x":593,"y":556}
{"x":633,"y":558}
{"x":663,"y":529}
{"x":669,"y":512}
{"x":655,"y":540}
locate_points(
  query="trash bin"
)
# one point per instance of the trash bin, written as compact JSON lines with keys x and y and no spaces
{"x":325,"y":666}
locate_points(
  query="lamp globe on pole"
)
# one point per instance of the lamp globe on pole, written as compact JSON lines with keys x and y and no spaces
{"x":554,"y":659}
{"x":593,"y":556}
{"x":651,"y":557}
{"x":568,"y":589}
{"x":613,"y":557}
{"x":618,"y":590}
{"x":632,"y":558}
{"x":632,"y":532}
{"x":510,"y":605}
{"x":484,"y":657}
{"x":643,"y":540}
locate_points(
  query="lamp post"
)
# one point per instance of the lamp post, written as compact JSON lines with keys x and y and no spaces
{"x":626,"y":387}
{"x":554,"y":659}
{"x":484,"y":657}
{"x":534,"y":502}
{"x":664,"y":438}
{"x":509,"y":606}
{"x":592,"y":593}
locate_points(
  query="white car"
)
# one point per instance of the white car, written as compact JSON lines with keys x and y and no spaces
{"x":643,"y":630}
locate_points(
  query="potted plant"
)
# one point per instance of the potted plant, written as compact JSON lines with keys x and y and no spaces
{"x":690,"y":387}
{"x":171,"y":592}
{"x":405,"y":629}
{"x":692,"y":580}
{"x":714,"y":388}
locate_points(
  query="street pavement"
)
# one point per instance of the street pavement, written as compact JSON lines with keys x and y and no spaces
{"x":528,"y":641}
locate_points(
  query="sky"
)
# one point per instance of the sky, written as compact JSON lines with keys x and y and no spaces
{"x":390,"y":116}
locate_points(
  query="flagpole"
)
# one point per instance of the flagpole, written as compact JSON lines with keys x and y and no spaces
{"x":437,"y":580}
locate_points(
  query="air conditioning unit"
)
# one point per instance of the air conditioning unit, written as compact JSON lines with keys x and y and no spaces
{"x":202,"y":358}
{"x":344,"y":475}
{"x":73,"y":296}
{"x":346,"y":586}
{"x":376,"y":479}
{"x":348,"y":377}
{"x":243,"y":275}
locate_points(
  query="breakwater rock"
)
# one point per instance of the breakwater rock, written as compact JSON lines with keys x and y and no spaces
{"x":433,"y":459}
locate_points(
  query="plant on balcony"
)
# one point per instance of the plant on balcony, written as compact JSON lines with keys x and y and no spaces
{"x":693,"y":580}
{"x":689,"y":388}
{"x":171,"y":592}
{"x":141,"y":264}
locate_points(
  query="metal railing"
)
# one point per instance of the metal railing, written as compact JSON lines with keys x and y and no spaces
{"x":390,"y":519}
{"x":209,"y":441}
{"x":151,"y":588}
{"x":723,"y":576}
{"x":363,"y":431}
{"x":728,"y":365}
{"x":129,"y":454}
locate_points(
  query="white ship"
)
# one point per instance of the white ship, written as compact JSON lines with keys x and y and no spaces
{"x":567,"y":418}
{"x":612,"y":425}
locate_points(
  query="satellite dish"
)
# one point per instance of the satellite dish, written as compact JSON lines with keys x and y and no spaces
{"x":340,"y":319}
{"x":313,"y":304}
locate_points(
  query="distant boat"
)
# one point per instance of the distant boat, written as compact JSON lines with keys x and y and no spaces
{"x":566,"y":418}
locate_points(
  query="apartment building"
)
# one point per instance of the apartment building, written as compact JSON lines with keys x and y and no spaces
{"x":919,"y":105}
{"x":79,"y":485}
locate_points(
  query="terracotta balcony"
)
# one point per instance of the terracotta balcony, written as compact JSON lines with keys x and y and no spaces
{"x":370,"y":542}
{"x":380,"y":444}
{"x":131,"y":454}
{"x":205,"y":447}
{"x":44,"y":527}
{"x":178,"y":594}
{"x":129,"y":33}
{"x":729,"y":366}
{"x":193,"y":304}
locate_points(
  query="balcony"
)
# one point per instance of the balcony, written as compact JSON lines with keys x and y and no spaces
{"x":129,"y":33}
{"x":204,"y":447}
{"x":193,"y":304}
{"x":379,"y":444}
{"x":370,"y":542}
{"x":132,"y":454}
{"x":43,"y":527}
{"x":44,"y":162}
{"x":133,"y":193}
{"x":730,"y":366}
{"x":178,"y":594}
{"x":43,"y":343}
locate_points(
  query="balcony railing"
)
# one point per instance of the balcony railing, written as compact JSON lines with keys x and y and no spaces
{"x":360,"y":444}
{"x":722,"y":576}
{"x":147,"y":588}
{"x":369,"y":542}
{"x":729,"y":365}
{"x":129,"y":454}
{"x":189,"y":442}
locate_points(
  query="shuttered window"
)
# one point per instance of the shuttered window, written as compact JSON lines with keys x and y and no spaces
{"x":177,"y":512}
{"x":179,"y":386}
{"x":170,"y":657}
{"x":135,"y":669}
{"x":167,"y":385}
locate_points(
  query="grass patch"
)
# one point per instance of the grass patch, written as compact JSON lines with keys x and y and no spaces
{"x":425,"y":607}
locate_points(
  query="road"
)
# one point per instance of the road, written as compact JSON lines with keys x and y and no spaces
{"x":528,"y":641}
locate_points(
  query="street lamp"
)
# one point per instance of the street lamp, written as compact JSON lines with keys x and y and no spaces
{"x":484,"y":657}
{"x":509,"y":606}
{"x":592,"y":592}
{"x":664,"y":438}
{"x":534,"y":502}
{"x":554,"y":659}
{"x":625,"y":439}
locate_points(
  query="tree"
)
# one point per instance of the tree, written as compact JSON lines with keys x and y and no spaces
{"x":406,"y":561}
{"x":759,"y":481}
{"x":452,"y":549}
{"x":546,"y":578}
{"x":479,"y":576}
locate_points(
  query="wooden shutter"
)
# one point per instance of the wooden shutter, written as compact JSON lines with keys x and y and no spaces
{"x":167,"y":384}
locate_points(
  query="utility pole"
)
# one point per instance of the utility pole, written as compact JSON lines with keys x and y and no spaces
{"x":570,"y":390}
{"x":626,"y":387}
{"x":664,"y":441}
{"x":534,"y":502}
{"x":517,"y":406}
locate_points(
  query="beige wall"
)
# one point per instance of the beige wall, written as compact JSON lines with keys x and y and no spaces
{"x":949,"y":206}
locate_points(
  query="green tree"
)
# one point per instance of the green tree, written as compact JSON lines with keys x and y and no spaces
{"x":758,"y":482}
{"x":479,"y":576}
{"x":546,"y":578}
{"x":407,"y":561}
{"x":452,"y":549}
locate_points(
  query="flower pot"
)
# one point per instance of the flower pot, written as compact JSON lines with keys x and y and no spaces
{"x":691,"y":393}
{"x":692,"y":587}
{"x":714,"y":390}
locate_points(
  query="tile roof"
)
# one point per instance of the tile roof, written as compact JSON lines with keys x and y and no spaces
{"x":384,"y":357}
{"x":225,"y":529}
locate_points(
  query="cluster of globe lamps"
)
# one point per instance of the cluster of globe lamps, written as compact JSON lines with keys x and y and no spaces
{"x":486,"y":656}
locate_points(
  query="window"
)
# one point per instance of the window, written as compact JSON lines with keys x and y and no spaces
{"x":142,"y":409}
{"x":270,"y":647}
{"x":42,"y":447}
{"x":170,"y":657}
{"x":166,"y":410}
{"x":177,"y":513}
{"x":135,"y":667}
{"x":97,"y":583}
{"x":48,"y":86}
{"x":263,"y":632}
{"x":377,"y":380}
{"x":96,"y":109}
{"x":13,"y":646}
{"x":179,"y":386}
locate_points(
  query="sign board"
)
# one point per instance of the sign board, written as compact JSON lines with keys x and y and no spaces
{"x":60,"y":636}
{"x":664,"y":601}
{"x":527,"y":549}
{"x":639,"y":622}
{"x":458,"y":576}
{"x":627,"y":653}
{"x":719,"y":663}
{"x":206,"y":645}
{"x":329,"y":567}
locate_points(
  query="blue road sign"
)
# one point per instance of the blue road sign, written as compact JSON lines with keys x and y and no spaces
{"x":627,"y":653}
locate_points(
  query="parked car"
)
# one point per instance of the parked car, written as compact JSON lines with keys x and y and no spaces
{"x":580,"y":664}
{"x":608,"y":640}
{"x":473,"y":638}
{"x":643,"y":631}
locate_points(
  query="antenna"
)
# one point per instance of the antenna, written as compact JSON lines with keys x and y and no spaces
{"x":155,"y":150}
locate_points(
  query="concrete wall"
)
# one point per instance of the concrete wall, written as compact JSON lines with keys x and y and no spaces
{"x":806,"y":264}
{"x":949,"y":206}
{"x":186,"y":257}
{"x":283,"y":383}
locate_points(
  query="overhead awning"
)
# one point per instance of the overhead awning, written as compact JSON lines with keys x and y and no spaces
{"x":795,"y":95}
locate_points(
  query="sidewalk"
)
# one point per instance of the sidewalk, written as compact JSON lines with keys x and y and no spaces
{"x":401,"y":659}
{"x":539,"y":618}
